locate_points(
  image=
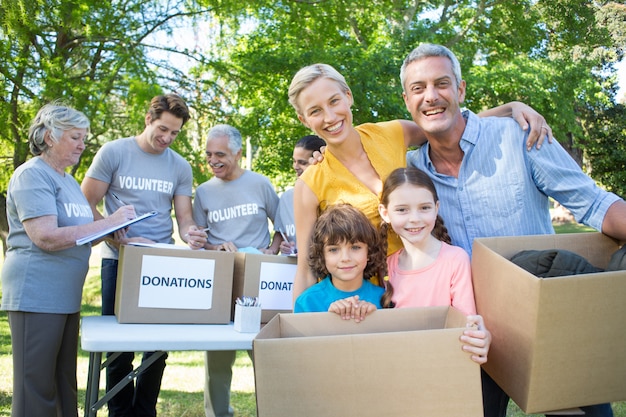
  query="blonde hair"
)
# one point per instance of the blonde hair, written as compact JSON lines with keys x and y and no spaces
{"x":307,"y":75}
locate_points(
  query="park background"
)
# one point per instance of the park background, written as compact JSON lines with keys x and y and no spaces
{"x":232,"y":61}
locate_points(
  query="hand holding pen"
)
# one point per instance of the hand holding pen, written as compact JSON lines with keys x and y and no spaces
{"x":129,"y":209}
{"x":196,"y":238}
{"x":287,"y":247}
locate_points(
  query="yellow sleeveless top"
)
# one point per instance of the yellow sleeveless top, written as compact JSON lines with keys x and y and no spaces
{"x":333,"y":183}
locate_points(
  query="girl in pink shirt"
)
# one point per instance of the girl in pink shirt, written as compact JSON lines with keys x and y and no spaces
{"x":428,"y":270}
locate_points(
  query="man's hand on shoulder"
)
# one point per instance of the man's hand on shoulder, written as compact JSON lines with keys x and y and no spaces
{"x":317,"y":157}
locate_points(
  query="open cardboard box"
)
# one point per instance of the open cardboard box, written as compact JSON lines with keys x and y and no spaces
{"x":157,"y":285}
{"x":397,"y":362}
{"x":557,"y":342}
{"x":269,"y":277}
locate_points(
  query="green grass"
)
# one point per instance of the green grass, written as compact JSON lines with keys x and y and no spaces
{"x":182,"y":387}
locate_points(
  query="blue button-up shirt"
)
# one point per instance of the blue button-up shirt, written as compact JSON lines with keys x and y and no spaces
{"x":503,"y":190}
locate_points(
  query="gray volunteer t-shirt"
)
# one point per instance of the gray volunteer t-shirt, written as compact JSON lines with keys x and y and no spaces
{"x":35,"y":280}
{"x":147,"y":181}
{"x":237,"y":211}
{"x":285,"y":221}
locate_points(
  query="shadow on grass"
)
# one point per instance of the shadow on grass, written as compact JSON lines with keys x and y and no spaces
{"x":90,"y":310}
{"x":5,"y":334}
{"x":5,"y":402}
{"x":190,"y":404}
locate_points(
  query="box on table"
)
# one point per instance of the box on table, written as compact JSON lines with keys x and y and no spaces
{"x":557,"y":342}
{"x":157,"y":285}
{"x":269,"y":277}
{"x":397,"y":362}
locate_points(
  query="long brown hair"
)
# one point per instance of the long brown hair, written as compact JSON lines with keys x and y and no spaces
{"x":417,"y":178}
{"x":341,"y":223}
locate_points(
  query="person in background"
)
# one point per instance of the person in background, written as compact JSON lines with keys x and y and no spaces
{"x":44,"y":270}
{"x":142,"y":170}
{"x":357,"y":159}
{"x":488,"y":184}
{"x":235,"y":205}
{"x":285,"y":223}
{"x":427,"y":271}
{"x":345,"y":251}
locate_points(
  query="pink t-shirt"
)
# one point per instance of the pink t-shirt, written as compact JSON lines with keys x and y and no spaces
{"x":445,"y":282}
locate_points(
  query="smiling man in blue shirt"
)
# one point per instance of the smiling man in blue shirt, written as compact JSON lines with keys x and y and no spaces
{"x":488,"y":184}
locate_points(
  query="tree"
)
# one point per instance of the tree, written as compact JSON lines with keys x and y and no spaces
{"x":555,"y":56}
{"x":92,"y":55}
{"x":234,"y":62}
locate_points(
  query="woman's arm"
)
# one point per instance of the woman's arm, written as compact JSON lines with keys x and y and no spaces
{"x":305,"y":214}
{"x":45,"y":232}
{"x":525,"y":116}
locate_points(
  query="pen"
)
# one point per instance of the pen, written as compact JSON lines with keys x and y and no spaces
{"x":118,"y":199}
{"x":286,"y":240}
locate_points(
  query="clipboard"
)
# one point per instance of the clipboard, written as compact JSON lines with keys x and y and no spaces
{"x":95,"y":236}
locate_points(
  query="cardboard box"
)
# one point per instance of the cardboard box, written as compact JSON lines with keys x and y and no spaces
{"x":269,"y":277}
{"x":398,"y":362}
{"x":156,"y":285}
{"x":557,"y":342}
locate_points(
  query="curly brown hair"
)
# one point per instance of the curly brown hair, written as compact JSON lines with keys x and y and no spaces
{"x":344,"y":223}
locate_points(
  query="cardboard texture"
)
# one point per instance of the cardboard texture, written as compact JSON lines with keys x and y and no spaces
{"x":269,"y":277}
{"x":557,"y":342}
{"x":168,"y":286}
{"x":398,"y":362}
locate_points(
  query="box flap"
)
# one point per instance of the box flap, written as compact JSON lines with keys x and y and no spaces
{"x":381,"y":321}
{"x":591,"y":246}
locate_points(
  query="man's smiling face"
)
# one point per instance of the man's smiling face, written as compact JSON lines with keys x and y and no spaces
{"x":431,"y":94}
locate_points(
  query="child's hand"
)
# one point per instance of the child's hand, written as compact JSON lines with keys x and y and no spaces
{"x":476,"y":339}
{"x":352,"y":308}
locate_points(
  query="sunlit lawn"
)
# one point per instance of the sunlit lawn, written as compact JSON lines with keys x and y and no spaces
{"x":182,"y":388}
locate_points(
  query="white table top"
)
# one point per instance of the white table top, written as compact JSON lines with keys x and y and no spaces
{"x":105,"y":334}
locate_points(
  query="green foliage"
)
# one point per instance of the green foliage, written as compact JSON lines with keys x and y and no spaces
{"x":551,"y":55}
{"x":605,"y":147}
{"x":233,"y":63}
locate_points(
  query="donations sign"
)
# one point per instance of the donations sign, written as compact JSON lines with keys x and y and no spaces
{"x":176,"y":282}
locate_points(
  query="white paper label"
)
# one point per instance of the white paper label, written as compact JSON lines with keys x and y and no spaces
{"x":172,"y":282}
{"x":276,"y":286}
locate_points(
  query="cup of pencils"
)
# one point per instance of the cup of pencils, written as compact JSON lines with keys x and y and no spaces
{"x":247,"y":314}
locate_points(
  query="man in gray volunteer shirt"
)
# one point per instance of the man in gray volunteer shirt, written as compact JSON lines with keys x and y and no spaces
{"x":237,"y":219}
{"x":142,"y":171}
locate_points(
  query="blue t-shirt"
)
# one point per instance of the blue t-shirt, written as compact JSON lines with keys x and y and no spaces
{"x":319,"y":297}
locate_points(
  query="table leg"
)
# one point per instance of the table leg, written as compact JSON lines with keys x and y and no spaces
{"x":92,"y":392}
{"x":93,"y":384}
